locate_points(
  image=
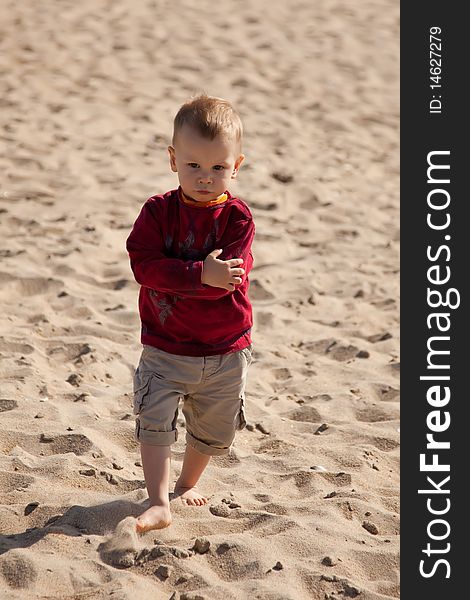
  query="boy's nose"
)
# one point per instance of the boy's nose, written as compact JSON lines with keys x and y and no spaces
{"x":205,"y":178}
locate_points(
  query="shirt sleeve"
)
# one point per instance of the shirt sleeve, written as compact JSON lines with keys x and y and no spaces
{"x":153,"y":269}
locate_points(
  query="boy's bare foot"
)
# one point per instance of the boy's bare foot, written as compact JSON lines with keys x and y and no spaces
{"x":155,"y":517}
{"x":190,"y":496}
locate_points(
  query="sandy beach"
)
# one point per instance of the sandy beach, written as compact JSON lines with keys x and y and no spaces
{"x":306,"y":506}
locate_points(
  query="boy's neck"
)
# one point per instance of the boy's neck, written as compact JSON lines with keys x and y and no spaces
{"x":191,"y":202}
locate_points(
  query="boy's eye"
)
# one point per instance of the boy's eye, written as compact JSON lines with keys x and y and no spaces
{"x":219,"y":167}
{"x":193,"y":165}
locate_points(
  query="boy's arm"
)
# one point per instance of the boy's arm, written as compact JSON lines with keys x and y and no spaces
{"x":151,"y":267}
{"x":237,"y":244}
{"x":154,"y":270}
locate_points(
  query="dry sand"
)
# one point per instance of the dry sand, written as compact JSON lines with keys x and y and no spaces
{"x":88,"y":93}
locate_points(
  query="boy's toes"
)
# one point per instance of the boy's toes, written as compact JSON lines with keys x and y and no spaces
{"x":191,"y":497}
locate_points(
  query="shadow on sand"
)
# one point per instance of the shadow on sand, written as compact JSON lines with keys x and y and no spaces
{"x":100,"y":519}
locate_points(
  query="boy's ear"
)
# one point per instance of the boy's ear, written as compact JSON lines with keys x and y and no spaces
{"x":171,"y":152}
{"x":237,"y":165}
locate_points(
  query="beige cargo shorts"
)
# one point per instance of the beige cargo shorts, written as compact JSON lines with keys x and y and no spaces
{"x":212,"y":389}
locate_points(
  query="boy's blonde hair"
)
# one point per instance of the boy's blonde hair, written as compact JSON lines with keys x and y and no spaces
{"x":211,"y":117}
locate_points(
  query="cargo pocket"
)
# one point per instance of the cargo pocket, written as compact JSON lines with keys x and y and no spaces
{"x":241,"y":421}
{"x":141,"y":389}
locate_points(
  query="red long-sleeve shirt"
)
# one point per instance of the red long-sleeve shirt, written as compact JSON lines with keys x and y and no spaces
{"x":167,"y":248}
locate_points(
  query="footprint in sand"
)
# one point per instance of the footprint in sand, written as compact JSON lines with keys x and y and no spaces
{"x":262,"y":497}
{"x":386,"y":393}
{"x":33,"y":286}
{"x":379,"y":337}
{"x":7,"y":404}
{"x":281,"y":374}
{"x":385,"y":444}
{"x":318,"y":346}
{"x":343,"y":353}
{"x":227,"y":461}
{"x":17,"y":570}
{"x":66,"y":351}
{"x":338,"y":479}
{"x":268,"y":523}
{"x":265,"y":319}
{"x":306,"y":414}
{"x":10,"y":482}
{"x":332,"y":348}
{"x":61,"y":444}
{"x":384,"y":566}
{"x":128,"y":319}
{"x":46,"y":444}
{"x":236,"y":562}
{"x":275,"y":448}
{"x":276,"y":509}
{"x":374,"y":414}
{"x":310,"y":202}
{"x":317,"y":398}
{"x":258,"y":291}
{"x":15,"y":347}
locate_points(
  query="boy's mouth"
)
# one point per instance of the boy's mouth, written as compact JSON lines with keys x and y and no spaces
{"x":202,"y":191}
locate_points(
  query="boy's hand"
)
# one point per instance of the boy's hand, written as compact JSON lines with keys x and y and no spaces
{"x":221,"y":273}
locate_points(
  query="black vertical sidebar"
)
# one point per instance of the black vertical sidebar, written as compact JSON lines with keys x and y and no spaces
{"x":435,"y":328}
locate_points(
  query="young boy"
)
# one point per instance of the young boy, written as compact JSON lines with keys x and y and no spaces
{"x":186,"y":250}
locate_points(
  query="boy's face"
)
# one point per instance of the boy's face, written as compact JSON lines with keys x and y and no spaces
{"x":205,"y":167}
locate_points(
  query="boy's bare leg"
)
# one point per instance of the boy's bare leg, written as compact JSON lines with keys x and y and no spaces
{"x":193,"y":466}
{"x":156,"y":462}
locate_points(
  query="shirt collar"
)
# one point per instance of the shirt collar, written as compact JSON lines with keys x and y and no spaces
{"x":190,"y":202}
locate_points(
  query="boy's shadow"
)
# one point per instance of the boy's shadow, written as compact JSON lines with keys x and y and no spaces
{"x":100,"y":519}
